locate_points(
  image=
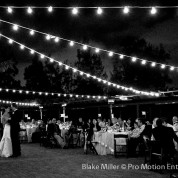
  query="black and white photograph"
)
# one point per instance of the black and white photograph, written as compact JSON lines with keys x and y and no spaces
{"x":89,"y":88}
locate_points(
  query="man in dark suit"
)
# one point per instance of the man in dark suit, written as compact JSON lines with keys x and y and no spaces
{"x":15,"y":129}
{"x":165,"y":136}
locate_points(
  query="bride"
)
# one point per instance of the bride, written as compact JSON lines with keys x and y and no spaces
{"x":6,"y":144}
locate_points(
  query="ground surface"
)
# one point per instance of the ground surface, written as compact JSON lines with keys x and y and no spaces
{"x":40,"y":162}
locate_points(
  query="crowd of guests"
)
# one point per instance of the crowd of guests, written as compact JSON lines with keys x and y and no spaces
{"x":138,"y":130}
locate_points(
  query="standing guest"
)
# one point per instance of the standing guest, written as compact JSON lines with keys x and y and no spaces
{"x":48,"y":122}
{"x":15,"y":129}
{"x":175,"y":123}
{"x":165,"y":136}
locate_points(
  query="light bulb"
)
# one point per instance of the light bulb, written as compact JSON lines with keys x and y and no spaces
{"x":143,"y":62}
{"x":15,"y":27}
{"x":32,"y":51}
{"x":110,"y":53}
{"x":153,"y":64}
{"x":121,"y":56}
{"x":126,"y":10}
{"x":32,"y":32}
{"x":85,"y":47}
{"x":29,"y":10}
{"x":22,"y":47}
{"x":9,"y":10}
{"x":153,"y":10}
{"x":134,"y":59}
{"x":75,"y":11}
{"x":56,"y":39}
{"x":99,"y":11}
{"x":97,"y":50}
{"x":50,"y":9}
{"x":71,"y":43}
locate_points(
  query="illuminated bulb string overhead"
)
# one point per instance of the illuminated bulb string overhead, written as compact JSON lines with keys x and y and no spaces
{"x":56,"y":39}
{"x":147,"y":93}
{"x":99,"y":11}
{"x":52,"y":94}
{"x":19,"y":103}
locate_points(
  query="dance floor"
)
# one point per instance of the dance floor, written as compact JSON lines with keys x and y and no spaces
{"x":42,"y":162}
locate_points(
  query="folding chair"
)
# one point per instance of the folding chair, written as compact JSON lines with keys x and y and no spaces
{"x":120,"y":144}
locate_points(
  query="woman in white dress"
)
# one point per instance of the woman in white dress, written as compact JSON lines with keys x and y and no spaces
{"x":6,"y":143}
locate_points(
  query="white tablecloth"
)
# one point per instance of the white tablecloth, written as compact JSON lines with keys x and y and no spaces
{"x":105,"y":142}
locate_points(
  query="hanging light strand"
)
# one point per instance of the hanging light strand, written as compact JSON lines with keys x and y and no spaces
{"x":51,"y":94}
{"x":144,"y":62}
{"x":147,"y":93}
{"x":19,"y":103}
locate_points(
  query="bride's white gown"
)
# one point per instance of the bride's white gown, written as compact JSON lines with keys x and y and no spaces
{"x":6,"y":143}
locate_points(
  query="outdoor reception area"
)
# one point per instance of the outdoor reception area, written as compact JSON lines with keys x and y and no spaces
{"x":89,"y":88}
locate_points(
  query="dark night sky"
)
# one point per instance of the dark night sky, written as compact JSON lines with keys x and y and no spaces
{"x":105,"y":31}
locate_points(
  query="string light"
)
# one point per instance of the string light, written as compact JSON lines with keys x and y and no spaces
{"x":75,"y":11}
{"x":81,"y":72}
{"x":126,"y":10}
{"x":15,"y":27}
{"x":163,"y":66}
{"x":153,"y":64}
{"x":153,"y":10}
{"x":99,"y":11}
{"x":172,"y":68}
{"x":10,"y":41}
{"x":22,"y":47}
{"x":71,"y":43}
{"x":50,"y":9}
{"x":29,"y":10}
{"x":19,"y":103}
{"x":143,"y":62}
{"x":111,"y":53}
{"x":32,"y":32}
{"x":32,"y":51}
{"x":9,"y":10}
{"x":134,"y":59}
{"x":121,"y":56}
{"x":85,"y":47}
{"x":97,"y":50}
{"x":56,"y":39}
{"x":48,"y":37}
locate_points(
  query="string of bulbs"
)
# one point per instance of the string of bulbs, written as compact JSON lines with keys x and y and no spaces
{"x":121,"y":56}
{"x":75,"y":10}
{"x":81,"y":73}
{"x":19,"y":103}
{"x":52,"y":94}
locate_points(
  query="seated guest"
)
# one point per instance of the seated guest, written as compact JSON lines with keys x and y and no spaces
{"x":34,"y":123}
{"x":175,"y":123}
{"x":136,"y":138}
{"x":147,"y":132}
{"x":135,"y":131}
{"x":80,"y":124}
{"x":101,"y":123}
{"x":54,"y":131}
{"x":128,"y":125}
{"x":115,"y":124}
{"x":109,"y":122}
{"x":121,"y":123}
{"x":165,"y":136}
